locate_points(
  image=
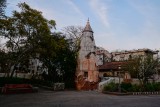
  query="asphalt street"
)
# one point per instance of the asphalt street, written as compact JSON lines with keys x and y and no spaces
{"x":45,"y":98}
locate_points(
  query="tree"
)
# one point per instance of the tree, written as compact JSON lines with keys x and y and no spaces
{"x":73,"y":34}
{"x":60,"y":60}
{"x":25,"y":31}
{"x":29,"y":36}
{"x":3,"y":61}
{"x":142,"y":67}
{"x":73,"y":31}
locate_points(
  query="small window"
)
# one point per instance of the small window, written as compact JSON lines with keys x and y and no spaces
{"x":85,"y":74}
{"x":105,"y":75}
{"x":130,"y":56}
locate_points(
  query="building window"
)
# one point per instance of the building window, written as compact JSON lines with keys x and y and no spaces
{"x":130,"y":56}
{"x":105,"y":75}
{"x":86,"y":74}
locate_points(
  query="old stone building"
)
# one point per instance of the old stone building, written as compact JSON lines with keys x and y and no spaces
{"x":125,"y":55}
{"x":102,"y":55}
{"x":87,"y":75}
{"x":96,"y":62}
{"x":119,"y":59}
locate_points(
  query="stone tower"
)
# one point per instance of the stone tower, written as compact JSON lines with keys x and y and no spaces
{"x":87,"y":74}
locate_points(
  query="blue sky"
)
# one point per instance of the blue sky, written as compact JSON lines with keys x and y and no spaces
{"x":117,"y":24}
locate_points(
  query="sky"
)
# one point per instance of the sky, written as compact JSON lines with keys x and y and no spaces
{"x":117,"y":24}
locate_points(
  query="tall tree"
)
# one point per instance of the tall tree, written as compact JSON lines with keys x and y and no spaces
{"x":25,"y":31}
{"x":29,"y":34}
{"x":73,"y":34}
{"x":142,"y":67}
{"x":60,"y":60}
{"x":3,"y":60}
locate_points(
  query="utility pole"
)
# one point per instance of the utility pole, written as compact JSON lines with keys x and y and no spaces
{"x":119,"y":84}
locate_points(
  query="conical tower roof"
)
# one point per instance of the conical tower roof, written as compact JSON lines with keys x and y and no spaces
{"x":88,"y":27}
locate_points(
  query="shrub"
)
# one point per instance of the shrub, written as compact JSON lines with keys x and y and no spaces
{"x":13,"y":80}
{"x":135,"y":88}
{"x":8,"y":80}
{"x":112,"y":87}
{"x":126,"y":86}
{"x":156,"y":86}
{"x":149,"y":87}
{"x":41,"y":82}
{"x":152,"y":87}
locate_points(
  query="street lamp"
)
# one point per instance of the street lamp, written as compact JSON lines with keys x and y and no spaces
{"x":119,"y":84}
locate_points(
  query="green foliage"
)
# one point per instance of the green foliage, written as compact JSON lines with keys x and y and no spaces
{"x":40,"y":82}
{"x":112,"y":87}
{"x":135,"y":88}
{"x":73,"y":33}
{"x":126,"y":86}
{"x":28,"y":34}
{"x":142,"y":67}
{"x":8,"y":80}
{"x":26,"y":31}
{"x":149,"y":87}
{"x":3,"y":60}
{"x":61,"y":62}
{"x":156,"y":86}
{"x":14,"y":80}
{"x":152,"y":87}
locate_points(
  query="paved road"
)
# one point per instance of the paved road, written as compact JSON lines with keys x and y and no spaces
{"x":77,"y":99}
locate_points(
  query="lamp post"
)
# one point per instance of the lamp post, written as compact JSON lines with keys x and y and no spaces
{"x":119,"y":84}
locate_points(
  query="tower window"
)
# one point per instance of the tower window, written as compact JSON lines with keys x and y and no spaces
{"x":85,"y":74}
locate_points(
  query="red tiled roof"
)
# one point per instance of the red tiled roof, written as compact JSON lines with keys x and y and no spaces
{"x":112,"y":65}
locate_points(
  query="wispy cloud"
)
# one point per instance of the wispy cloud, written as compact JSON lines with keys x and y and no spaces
{"x":66,"y":14}
{"x":75,"y":8}
{"x":145,"y":8}
{"x":101,"y":10}
{"x":150,"y":31}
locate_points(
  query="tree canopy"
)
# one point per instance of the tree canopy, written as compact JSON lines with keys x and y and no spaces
{"x":143,"y":68}
{"x":29,"y":34}
{"x":25,"y":31}
{"x":73,"y":34}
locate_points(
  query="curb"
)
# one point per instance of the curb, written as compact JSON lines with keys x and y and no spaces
{"x":146,"y":93}
{"x":131,"y":93}
{"x":116,"y":93}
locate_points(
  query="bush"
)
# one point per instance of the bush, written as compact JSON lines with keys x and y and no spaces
{"x":126,"y":87}
{"x":135,"y":88}
{"x":149,"y":87}
{"x":156,"y":86}
{"x":13,"y":80}
{"x":112,"y":87}
{"x":8,"y":80}
{"x":41,"y":82}
{"x":152,"y":87}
